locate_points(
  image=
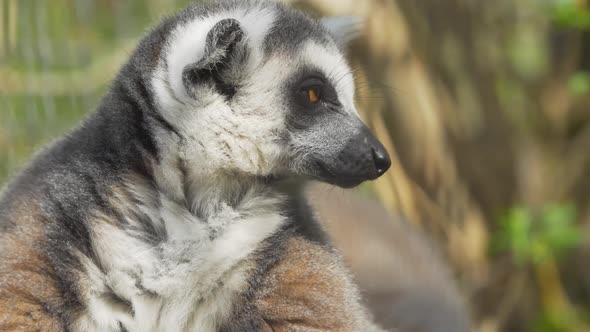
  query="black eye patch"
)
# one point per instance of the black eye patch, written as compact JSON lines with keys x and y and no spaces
{"x":313,"y":92}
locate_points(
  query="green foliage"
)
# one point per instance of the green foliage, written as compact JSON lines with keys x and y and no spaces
{"x":560,"y":322}
{"x":579,"y":83}
{"x":527,"y":54}
{"x":534,"y":237}
{"x":571,"y":14}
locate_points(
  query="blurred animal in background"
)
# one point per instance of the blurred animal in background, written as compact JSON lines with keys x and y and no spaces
{"x":403,"y":280}
{"x":177,"y":205}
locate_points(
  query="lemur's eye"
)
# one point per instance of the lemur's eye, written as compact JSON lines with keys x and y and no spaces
{"x":313,"y":94}
{"x":312,"y":90}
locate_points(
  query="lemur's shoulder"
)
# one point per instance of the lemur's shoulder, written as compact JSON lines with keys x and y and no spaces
{"x":310,"y":289}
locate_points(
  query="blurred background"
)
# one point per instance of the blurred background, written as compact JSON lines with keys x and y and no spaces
{"x":484,"y":106}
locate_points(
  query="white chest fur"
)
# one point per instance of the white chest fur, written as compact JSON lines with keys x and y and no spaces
{"x":187,"y":282}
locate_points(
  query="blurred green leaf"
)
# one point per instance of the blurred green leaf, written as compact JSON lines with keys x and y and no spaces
{"x":579,"y":84}
{"x":559,"y":227}
{"x":568,"y":321}
{"x":527,"y":54}
{"x":534,"y":237}
{"x":570,"y":13}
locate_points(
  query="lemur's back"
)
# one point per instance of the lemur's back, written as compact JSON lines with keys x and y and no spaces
{"x":44,"y":216}
{"x":28,"y":288}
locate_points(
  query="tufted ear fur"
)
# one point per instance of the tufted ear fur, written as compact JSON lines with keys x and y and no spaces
{"x":343,"y":28}
{"x":225,"y":50}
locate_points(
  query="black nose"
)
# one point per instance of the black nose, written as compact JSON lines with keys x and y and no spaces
{"x":381,"y":159}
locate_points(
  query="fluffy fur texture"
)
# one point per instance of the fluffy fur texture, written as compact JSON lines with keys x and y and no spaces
{"x":167,"y":209}
{"x":293,"y":296}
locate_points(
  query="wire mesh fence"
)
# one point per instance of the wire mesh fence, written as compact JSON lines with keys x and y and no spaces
{"x":56,"y":59}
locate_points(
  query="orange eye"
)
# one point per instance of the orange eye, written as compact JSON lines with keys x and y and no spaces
{"x":313,"y":96}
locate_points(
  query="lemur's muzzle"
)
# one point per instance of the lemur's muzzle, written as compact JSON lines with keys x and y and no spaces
{"x":363,"y":158}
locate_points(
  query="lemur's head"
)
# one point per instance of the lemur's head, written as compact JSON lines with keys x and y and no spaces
{"x":253,"y":87}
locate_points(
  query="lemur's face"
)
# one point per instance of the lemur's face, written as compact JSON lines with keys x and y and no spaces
{"x":265,"y":92}
{"x":326,"y":136}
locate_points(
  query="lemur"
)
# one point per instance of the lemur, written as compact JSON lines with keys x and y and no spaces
{"x":177,"y":205}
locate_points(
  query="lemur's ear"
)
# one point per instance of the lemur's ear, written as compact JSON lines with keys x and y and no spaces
{"x":225,"y":48}
{"x":343,"y":28}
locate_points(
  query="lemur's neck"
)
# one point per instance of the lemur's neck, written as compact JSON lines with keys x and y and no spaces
{"x":196,"y":179}
{"x":207,"y":194}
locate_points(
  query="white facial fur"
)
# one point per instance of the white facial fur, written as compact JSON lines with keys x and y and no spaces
{"x":334,"y":65}
{"x":243,"y":135}
{"x":220,"y":135}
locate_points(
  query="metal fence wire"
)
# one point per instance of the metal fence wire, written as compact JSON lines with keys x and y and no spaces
{"x":56,"y":59}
